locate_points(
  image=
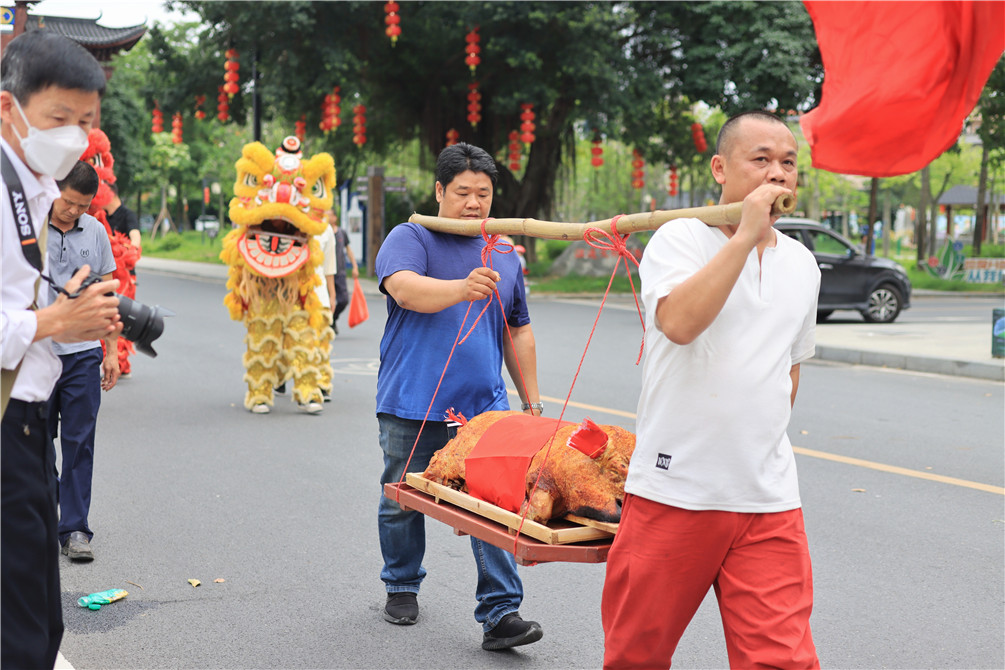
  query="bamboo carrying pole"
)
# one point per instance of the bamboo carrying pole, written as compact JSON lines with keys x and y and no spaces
{"x":715,"y":215}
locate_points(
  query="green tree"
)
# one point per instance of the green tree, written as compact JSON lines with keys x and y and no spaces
{"x":628,"y":70}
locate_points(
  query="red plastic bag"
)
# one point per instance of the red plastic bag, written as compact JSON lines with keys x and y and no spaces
{"x":358,"y":312}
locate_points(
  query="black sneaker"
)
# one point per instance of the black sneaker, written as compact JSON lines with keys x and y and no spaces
{"x":512,"y":631}
{"x":401,"y":608}
{"x":78,"y":547}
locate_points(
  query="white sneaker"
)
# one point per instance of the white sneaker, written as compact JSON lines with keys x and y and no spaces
{"x":311,"y":407}
{"x":260,"y":408}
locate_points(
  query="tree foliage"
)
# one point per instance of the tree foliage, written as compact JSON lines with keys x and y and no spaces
{"x":627,"y":70}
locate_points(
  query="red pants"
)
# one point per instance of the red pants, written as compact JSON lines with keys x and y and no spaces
{"x":664,"y":560}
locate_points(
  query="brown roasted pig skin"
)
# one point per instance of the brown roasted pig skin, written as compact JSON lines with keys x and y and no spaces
{"x":570,"y":482}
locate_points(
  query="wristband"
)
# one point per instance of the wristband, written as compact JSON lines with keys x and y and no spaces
{"x":539,"y":406}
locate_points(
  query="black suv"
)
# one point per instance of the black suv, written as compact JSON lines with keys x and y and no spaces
{"x":876,"y":287}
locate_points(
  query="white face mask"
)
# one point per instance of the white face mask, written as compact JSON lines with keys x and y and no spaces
{"x":52,"y":152}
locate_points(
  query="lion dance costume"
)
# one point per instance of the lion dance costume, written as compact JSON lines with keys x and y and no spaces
{"x":279,"y":200}
{"x":99,"y":155}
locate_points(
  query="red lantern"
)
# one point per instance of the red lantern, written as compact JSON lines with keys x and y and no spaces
{"x":474,"y":104}
{"x":230,"y":76}
{"x":300,"y":128}
{"x":199,"y":101}
{"x":672,"y":190}
{"x":330,"y":111}
{"x":472,"y":50}
{"x":176,"y":128}
{"x":638,"y":173}
{"x":597,"y":151}
{"x":698,"y":135}
{"x":452,"y":137}
{"x":392,"y":20}
{"x":222,"y":105}
{"x":359,"y":125}
{"x":527,"y":126}
{"x":515,"y":150}
{"x":157,"y":120}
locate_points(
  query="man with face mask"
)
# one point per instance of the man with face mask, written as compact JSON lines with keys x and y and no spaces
{"x":50,"y":88}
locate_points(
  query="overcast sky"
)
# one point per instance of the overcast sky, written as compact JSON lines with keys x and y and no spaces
{"x":114,"y":13}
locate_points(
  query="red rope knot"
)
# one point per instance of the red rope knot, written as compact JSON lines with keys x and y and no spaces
{"x":493,"y":243}
{"x":615,"y":242}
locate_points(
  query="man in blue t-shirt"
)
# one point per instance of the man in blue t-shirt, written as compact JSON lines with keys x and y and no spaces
{"x":431,"y":280}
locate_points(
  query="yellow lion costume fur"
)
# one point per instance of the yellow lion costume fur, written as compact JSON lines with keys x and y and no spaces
{"x":278,"y":207}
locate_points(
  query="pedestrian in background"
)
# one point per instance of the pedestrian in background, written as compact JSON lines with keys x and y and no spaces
{"x":76,"y":238}
{"x":343,"y":253}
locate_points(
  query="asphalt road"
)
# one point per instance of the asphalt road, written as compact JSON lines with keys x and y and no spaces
{"x":908,"y":562}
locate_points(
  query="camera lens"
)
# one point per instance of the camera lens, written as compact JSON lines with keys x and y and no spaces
{"x":141,"y":324}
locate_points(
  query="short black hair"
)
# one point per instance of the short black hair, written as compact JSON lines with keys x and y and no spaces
{"x":36,"y":60}
{"x":82,"y":178}
{"x":462,"y":157}
{"x":728,"y":129}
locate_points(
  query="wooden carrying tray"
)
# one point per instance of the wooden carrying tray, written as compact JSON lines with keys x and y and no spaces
{"x":561,"y":540}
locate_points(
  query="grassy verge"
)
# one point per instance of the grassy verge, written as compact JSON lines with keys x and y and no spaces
{"x":187,"y":246}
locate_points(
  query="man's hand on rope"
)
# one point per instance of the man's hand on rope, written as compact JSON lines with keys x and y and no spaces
{"x":480,"y":284}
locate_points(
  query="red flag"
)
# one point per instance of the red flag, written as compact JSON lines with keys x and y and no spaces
{"x":900,"y":79}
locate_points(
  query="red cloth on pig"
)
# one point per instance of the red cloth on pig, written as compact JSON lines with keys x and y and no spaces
{"x":496,"y":468}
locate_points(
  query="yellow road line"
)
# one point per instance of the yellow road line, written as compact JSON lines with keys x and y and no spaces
{"x":837,"y":458}
{"x":882,"y":467}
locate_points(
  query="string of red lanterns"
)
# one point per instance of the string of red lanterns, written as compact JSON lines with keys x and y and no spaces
{"x":515,"y":151}
{"x":474,"y":104}
{"x":222,"y":105}
{"x":331,"y":111}
{"x":673,"y":180}
{"x":200,"y":100}
{"x":359,"y":125}
{"x":698,"y":135}
{"x":157,"y":120}
{"x":472,"y":49}
{"x":527,"y":126}
{"x":300,"y":127}
{"x":452,"y":137}
{"x":597,"y":151}
{"x":230,"y":76}
{"x":637,"y":170}
{"x":176,"y":128}
{"x":392,"y":20}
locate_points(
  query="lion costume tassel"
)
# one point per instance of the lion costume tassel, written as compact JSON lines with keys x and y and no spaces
{"x":279,"y":200}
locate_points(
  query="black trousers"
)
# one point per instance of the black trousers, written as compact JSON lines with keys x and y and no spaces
{"x":31,"y":614}
{"x":341,"y":295}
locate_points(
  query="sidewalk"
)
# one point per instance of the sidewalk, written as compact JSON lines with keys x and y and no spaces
{"x":959,"y":349}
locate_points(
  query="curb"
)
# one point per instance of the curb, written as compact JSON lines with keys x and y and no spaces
{"x":941,"y":366}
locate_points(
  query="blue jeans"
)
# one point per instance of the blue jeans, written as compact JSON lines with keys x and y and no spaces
{"x":73,"y":417}
{"x":403,"y":536}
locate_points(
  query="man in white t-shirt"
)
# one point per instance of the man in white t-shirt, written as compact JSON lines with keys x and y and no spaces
{"x":712,"y":498}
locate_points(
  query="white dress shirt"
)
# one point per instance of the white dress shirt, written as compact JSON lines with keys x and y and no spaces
{"x":40,"y":368}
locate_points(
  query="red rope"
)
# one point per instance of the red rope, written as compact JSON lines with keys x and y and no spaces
{"x":615,"y":243}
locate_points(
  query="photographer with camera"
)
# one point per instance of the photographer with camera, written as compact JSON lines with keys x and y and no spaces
{"x":76,"y":237}
{"x":50,"y":88}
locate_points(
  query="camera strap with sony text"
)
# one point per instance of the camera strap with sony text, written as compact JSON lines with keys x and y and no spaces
{"x":32,"y":253}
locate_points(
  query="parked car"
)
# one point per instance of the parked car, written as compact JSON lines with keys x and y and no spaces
{"x":876,"y":287}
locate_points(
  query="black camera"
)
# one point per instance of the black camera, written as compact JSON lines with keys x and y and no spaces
{"x":140,"y":324}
